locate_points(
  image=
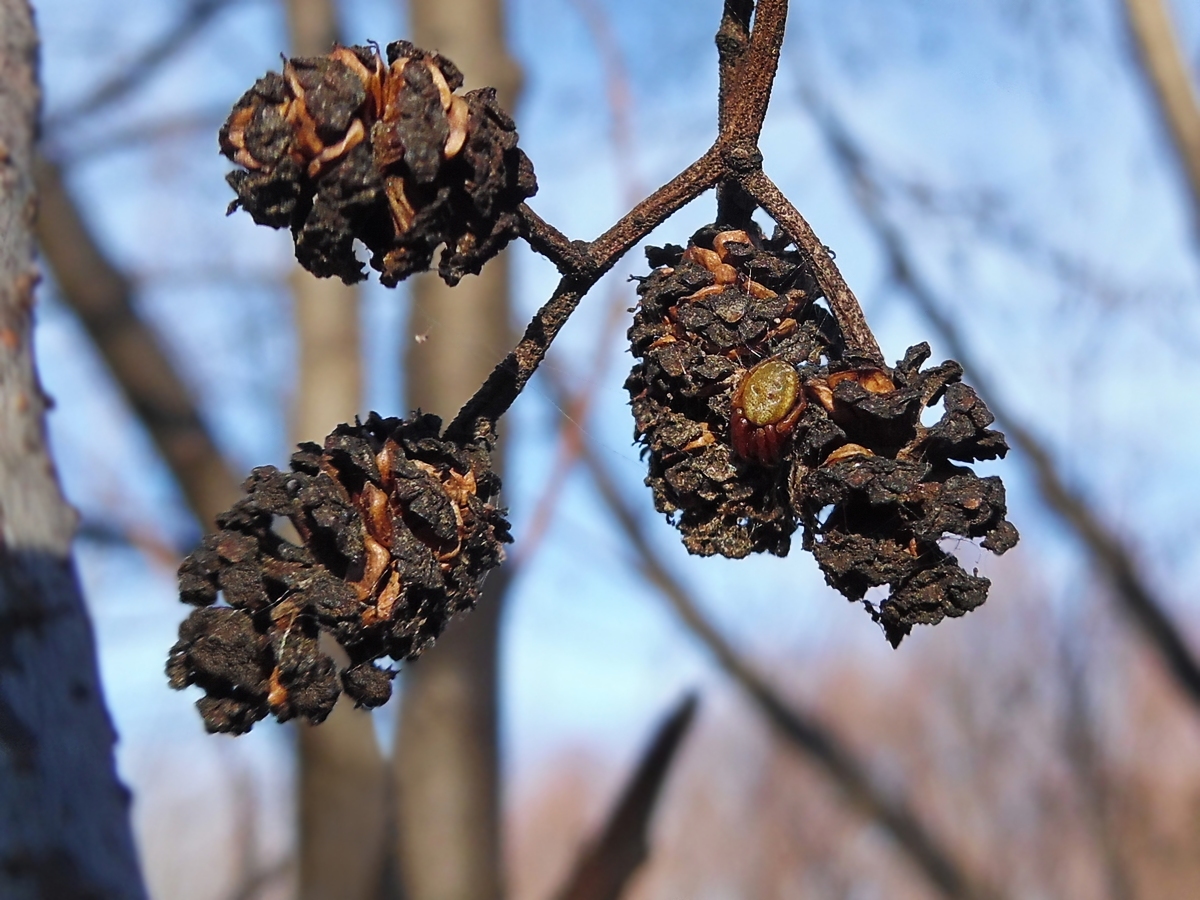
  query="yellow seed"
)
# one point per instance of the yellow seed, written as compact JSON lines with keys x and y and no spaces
{"x":769,"y":392}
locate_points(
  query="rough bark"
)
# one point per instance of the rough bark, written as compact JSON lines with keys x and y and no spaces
{"x":1167,"y":71}
{"x":446,"y":760}
{"x":342,"y":790}
{"x":64,"y":816}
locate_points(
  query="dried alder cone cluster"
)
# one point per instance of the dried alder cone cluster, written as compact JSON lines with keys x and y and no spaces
{"x":756,"y":414}
{"x":397,"y":531}
{"x":344,"y":146}
{"x":756,"y":422}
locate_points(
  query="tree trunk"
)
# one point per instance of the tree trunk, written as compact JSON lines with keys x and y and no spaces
{"x":446,"y":759}
{"x":64,"y":816}
{"x":342,"y":791}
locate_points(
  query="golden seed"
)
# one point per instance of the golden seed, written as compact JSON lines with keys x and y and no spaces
{"x":769,"y":392}
{"x":703,"y":257}
{"x":457,"y":117}
{"x":729,"y":237}
{"x":846,"y":451}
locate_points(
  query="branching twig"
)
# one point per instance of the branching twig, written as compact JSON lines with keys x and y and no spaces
{"x":1109,"y":552}
{"x":747,"y":79}
{"x":734,"y":206}
{"x":583,"y":265}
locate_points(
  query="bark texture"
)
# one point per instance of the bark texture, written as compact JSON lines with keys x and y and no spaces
{"x":446,"y":759}
{"x":64,"y":816}
{"x":342,"y":791}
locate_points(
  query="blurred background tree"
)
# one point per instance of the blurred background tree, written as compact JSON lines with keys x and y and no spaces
{"x":1009,"y":180}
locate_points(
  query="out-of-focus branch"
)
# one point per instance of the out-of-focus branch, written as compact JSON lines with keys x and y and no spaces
{"x":64,"y":816}
{"x":800,"y":730}
{"x":1167,"y":70}
{"x":342,"y":776}
{"x":102,"y":297}
{"x":138,"y":72}
{"x":623,"y":844}
{"x":1085,"y":757}
{"x":1109,"y":553}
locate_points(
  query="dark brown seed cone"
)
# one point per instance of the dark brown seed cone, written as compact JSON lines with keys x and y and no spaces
{"x":874,"y":489}
{"x":692,"y":353}
{"x":343,"y":147}
{"x":397,"y":529}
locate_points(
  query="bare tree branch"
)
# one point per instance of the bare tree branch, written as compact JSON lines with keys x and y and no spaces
{"x":860,"y":342}
{"x":102,"y":297}
{"x":1108,"y":552}
{"x":623,"y":844}
{"x":64,"y":816}
{"x":138,"y":72}
{"x":1167,"y":71}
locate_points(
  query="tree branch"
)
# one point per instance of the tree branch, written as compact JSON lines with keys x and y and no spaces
{"x":755,"y":74}
{"x":860,"y":342}
{"x":585,"y":264}
{"x":140,"y":69}
{"x":1166,"y":69}
{"x":734,"y":206}
{"x":102,"y":297}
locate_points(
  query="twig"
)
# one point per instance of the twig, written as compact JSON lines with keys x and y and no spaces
{"x":1108,"y":552}
{"x":860,"y":342}
{"x":755,"y":74}
{"x":745,"y":93}
{"x":797,"y":728}
{"x":622,"y":846}
{"x":585,"y":264}
{"x":734,"y":206}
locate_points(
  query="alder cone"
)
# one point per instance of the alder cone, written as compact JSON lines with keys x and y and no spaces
{"x":344,"y":147}
{"x":397,"y":531}
{"x":844,"y":456}
{"x":695,"y":340}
